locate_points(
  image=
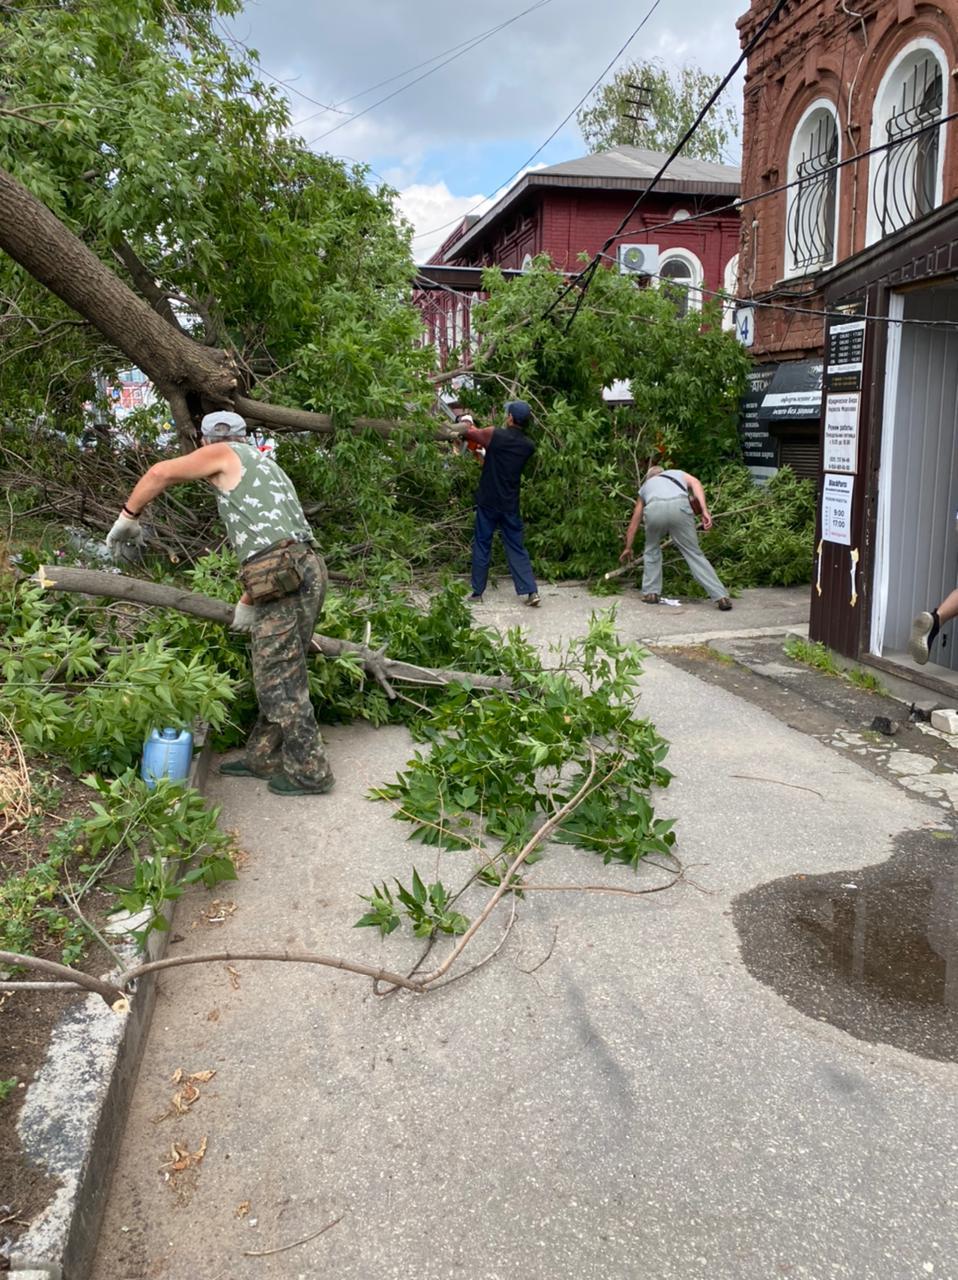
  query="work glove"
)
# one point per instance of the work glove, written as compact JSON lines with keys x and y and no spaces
{"x":244,"y":615}
{"x":125,"y":535}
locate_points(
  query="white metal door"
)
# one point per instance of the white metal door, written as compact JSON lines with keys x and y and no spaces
{"x":917,"y":546}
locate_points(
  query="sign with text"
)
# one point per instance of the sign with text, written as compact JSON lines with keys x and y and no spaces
{"x":841,"y":432}
{"x":845,"y":356}
{"x":837,"y":509}
{"x":759,"y":446}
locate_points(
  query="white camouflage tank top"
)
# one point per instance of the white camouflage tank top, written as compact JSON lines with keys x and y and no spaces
{"x":263,"y":509}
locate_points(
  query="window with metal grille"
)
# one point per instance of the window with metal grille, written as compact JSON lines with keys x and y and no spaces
{"x":906,"y":173}
{"x":812,"y":203}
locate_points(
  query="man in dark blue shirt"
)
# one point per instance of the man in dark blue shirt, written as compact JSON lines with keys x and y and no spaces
{"x":497,"y":500}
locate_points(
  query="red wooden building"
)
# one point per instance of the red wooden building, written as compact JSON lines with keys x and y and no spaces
{"x":569,"y":209}
{"x":850,"y":251}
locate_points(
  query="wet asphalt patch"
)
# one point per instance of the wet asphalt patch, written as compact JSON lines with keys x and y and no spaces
{"x":873,"y":951}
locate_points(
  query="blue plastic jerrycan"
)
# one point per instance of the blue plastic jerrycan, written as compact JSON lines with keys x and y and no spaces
{"x":167,"y":753}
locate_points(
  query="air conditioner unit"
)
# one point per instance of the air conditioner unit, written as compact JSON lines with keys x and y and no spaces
{"x":639,"y":259}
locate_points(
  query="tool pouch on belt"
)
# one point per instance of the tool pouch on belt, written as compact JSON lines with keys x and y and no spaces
{"x":276,"y":572}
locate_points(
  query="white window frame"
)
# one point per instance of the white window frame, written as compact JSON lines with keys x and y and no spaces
{"x":882,"y":110}
{"x":730,"y":288}
{"x":694,"y":287}
{"x":800,"y":134}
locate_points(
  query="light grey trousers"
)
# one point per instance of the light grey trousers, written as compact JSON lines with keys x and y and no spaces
{"x":672,"y":518}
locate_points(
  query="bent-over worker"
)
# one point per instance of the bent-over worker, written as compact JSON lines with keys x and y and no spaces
{"x":664,"y":501}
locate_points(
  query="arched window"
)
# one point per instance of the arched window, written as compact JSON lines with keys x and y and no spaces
{"x":813,"y":201}
{"x":906,"y":175}
{"x":730,"y":289}
{"x":680,"y":275}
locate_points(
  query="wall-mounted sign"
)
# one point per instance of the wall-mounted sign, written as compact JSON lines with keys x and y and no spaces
{"x":841,"y":432}
{"x":759,"y":447}
{"x":795,"y":393}
{"x":745,"y":325}
{"x":837,"y":509}
{"x":845,"y":356}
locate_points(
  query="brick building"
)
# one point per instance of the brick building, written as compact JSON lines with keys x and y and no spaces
{"x":572,"y":208}
{"x":848,"y":106}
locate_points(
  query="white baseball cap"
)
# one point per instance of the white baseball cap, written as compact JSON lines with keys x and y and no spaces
{"x":222,"y":423}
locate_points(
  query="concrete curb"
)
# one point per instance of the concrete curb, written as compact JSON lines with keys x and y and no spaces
{"x":694,"y":638}
{"x":75,"y":1110}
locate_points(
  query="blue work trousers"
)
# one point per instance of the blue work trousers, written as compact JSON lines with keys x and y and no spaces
{"x":509,"y":524}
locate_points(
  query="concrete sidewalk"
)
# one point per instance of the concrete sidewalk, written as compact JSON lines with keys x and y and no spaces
{"x":614,"y":1095}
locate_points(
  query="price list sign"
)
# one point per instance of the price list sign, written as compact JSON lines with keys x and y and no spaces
{"x":845,"y":357}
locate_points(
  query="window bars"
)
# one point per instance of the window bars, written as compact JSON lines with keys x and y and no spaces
{"x":906,"y":175}
{"x":811,"y":220}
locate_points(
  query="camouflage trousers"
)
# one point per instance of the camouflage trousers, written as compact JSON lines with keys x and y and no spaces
{"x":286,"y":737}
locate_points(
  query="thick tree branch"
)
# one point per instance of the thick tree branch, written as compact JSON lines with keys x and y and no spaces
{"x":35,"y":238}
{"x":115,"y":586}
{"x":280,"y":418}
{"x":144,"y":281}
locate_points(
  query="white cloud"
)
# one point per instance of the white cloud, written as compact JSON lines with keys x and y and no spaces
{"x":429,"y":205}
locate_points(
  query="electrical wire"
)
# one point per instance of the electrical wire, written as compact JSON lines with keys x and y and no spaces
{"x":740,"y":203}
{"x":464,"y":45}
{"x":821,"y":312}
{"x":588,"y":273}
{"x":237,"y":43}
{"x":561,"y":125}
{"x":439,"y":66}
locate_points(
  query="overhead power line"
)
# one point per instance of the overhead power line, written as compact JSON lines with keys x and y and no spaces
{"x":739,"y":203}
{"x":465,"y":48}
{"x":822,"y":313}
{"x":586,"y":276}
{"x":464,"y":45}
{"x":561,"y":125}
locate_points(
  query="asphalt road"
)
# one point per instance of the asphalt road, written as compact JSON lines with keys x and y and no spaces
{"x":614,"y":1095}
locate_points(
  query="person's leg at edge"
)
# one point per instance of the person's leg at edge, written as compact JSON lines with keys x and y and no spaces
{"x":520,"y":566}
{"x":482,"y":548}
{"x":281,"y":681}
{"x":926,"y":626}
{"x":686,"y":539}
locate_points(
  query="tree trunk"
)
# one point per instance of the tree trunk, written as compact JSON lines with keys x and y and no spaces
{"x":52,"y":254}
{"x":187,"y":373}
{"x":114,"y":586}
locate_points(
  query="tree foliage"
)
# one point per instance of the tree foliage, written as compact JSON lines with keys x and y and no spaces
{"x":154,"y":141}
{"x":676,"y":97}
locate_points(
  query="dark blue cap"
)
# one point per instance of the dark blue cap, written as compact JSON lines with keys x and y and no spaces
{"x":521,"y":413}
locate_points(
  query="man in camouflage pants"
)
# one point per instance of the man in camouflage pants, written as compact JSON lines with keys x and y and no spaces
{"x":260,"y":510}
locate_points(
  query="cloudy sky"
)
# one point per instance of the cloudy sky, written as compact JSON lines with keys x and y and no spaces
{"x":480,"y":110}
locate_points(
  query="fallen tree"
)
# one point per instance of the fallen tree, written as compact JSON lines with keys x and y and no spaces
{"x":193,"y":377}
{"x":385,"y":670}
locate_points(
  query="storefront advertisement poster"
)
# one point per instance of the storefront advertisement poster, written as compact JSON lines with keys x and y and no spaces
{"x":841,"y":432}
{"x":837,"y":509}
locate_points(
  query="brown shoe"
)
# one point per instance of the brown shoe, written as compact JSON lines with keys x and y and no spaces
{"x":724,"y":604}
{"x":650,"y":598}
